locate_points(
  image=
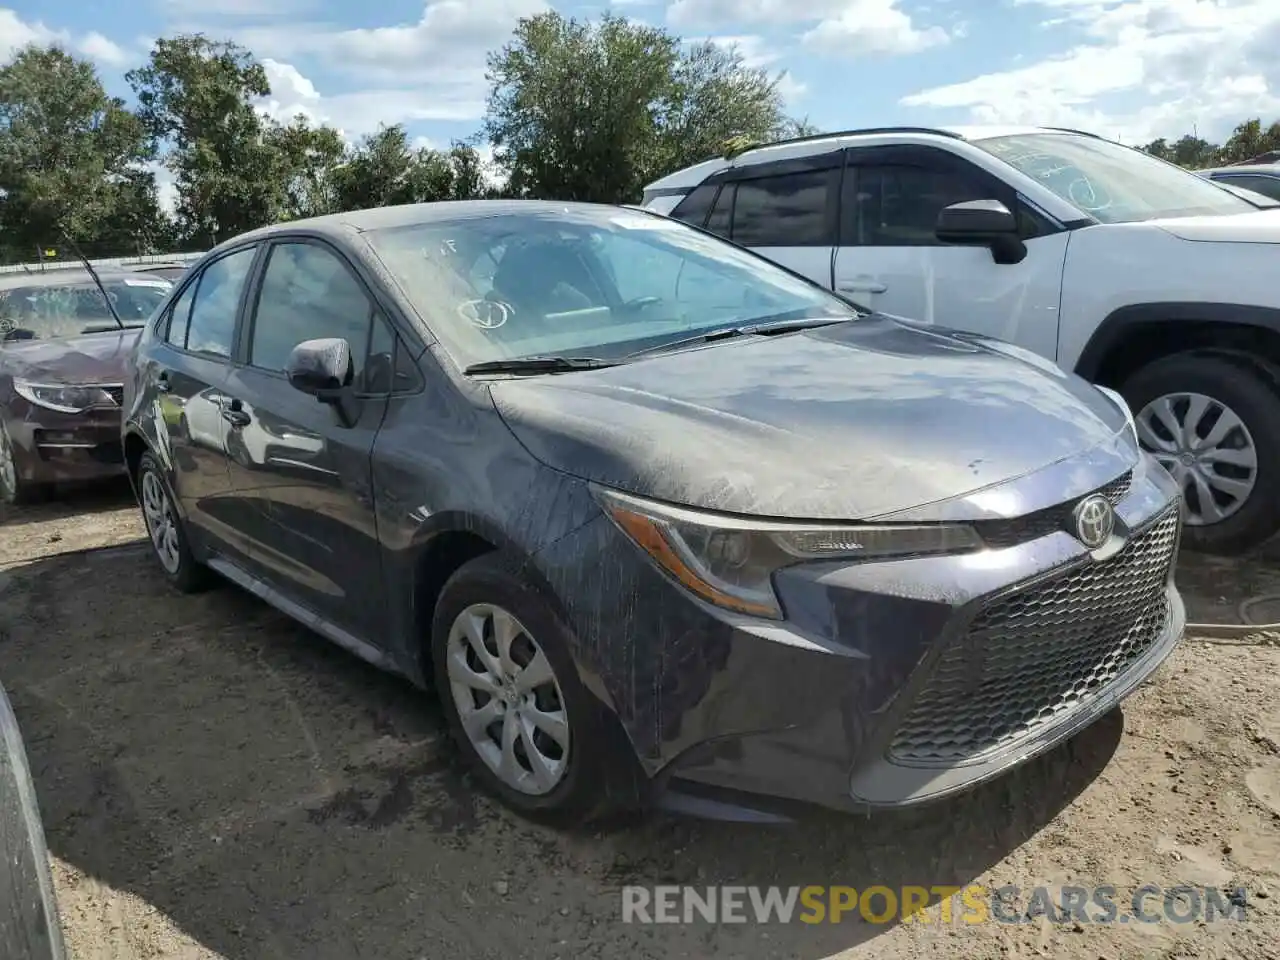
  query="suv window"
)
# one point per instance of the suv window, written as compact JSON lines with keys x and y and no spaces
{"x":789,"y":210}
{"x":898,"y":206}
{"x":1267,"y":186}
{"x":212,"y":326}
{"x":308,"y":293}
{"x":695,"y":207}
{"x":722,"y":213}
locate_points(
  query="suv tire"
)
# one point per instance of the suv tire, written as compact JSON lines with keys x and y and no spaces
{"x":1234,"y":387}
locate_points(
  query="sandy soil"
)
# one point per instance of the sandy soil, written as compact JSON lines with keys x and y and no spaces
{"x":218,"y":783}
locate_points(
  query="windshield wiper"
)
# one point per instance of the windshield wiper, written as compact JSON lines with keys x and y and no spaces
{"x":758,"y":328}
{"x":540,"y":365}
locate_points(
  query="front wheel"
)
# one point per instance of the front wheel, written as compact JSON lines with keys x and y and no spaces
{"x":516,"y":707}
{"x":1213,"y":422}
{"x":15,"y":491}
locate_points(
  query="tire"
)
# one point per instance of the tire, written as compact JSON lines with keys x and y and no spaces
{"x":181,"y":568}
{"x":600,"y":774}
{"x":1244,"y":389}
{"x":14,"y":491}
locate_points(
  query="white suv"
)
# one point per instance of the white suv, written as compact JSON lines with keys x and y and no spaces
{"x":1128,"y":270}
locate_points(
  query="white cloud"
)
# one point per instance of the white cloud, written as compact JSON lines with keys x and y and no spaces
{"x":16,"y":33}
{"x":1187,"y":62}
{"x":846,"y":28}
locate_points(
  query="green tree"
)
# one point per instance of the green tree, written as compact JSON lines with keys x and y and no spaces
{"x":385,"y":168}
{"x":196,"y":98}
{"x":71,"y":160}
{"x":592,"y":111}
{"x":306,"y":158}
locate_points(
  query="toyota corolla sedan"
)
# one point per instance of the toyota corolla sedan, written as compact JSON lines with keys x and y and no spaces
{"x":656,"y":518}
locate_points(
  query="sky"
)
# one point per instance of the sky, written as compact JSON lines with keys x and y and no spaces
{"x":1131,"y":70}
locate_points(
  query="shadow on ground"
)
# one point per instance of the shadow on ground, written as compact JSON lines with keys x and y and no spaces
{"x":71,"y":501}
{"x":274,"y":797}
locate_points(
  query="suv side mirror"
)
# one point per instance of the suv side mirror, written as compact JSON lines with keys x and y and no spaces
{"x":323,"y":369}
{"x":982,"y":223}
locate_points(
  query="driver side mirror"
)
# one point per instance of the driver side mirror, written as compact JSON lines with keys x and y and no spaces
{"x":323,"y":369}
{"x":982,"y":223}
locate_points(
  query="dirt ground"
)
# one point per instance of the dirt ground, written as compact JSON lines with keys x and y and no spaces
{"x":216,"y":782}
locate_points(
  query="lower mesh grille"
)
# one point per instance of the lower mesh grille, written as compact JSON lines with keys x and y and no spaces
{"x":1034,"y":655}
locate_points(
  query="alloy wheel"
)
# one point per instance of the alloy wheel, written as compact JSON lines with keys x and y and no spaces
{"x":508,"y":698}
{"x":1207,"y":448}
{"x":162,"y":524}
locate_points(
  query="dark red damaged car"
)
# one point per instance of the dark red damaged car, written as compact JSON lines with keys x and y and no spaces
{"x":62,"y":355}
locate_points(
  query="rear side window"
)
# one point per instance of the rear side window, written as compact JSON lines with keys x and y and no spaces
{"x":694,"y":208}
{"x":212,"y":326}
{"x":789,"y":210}
{"x":722,"y":214}
{"x":180,"y":317}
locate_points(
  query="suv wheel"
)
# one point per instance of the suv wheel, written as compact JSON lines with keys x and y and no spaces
{"x":13,"y":489}
{"x":1214,"y":423}
{"x":515,"y":705}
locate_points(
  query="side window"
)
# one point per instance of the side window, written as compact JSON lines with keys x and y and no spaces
{"x":308,"y":294}
{"x":212,"y":325}
{"x":898,"y":206}
{"x":719,"y":220}
{"x":380,"y":365}
{"x":180,"y":317}
{"x":785,"y":211}
{"x":695,"y":207}
{"x":1267,"y":186}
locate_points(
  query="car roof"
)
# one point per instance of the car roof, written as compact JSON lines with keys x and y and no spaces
{"x":803,"y":146}
{"x":64,"y":277}
{"x":342,"y":225}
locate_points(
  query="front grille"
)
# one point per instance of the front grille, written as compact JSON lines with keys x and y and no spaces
{"x":1009,"y":533}
{"x":116,"y":394}
{"x":1036,"y":654}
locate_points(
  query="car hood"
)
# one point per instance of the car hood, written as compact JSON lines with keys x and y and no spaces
{"x":1259,"y":226}
{"x":853,"y":421}
{"x":88,"y":358}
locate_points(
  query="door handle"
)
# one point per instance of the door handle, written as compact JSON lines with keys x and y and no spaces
{"x":234,"y":413}
{"x":861,"y":286}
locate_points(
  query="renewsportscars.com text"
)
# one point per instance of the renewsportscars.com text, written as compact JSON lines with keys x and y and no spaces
{"x":956,"y":905}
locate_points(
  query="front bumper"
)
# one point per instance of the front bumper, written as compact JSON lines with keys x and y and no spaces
{"x":54,"y":447}
{"x":889,"y":683}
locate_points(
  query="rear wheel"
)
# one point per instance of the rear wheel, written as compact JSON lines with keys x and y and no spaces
{"x":166,"y":530}
{"x":1213,"y":422}
{"x":13,"y":489}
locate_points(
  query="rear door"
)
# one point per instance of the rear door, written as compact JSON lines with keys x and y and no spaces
{"x":785,"y":210}
{"x":293,"y":459}
{"x":890,"y":259}
{"x":187,"y":375}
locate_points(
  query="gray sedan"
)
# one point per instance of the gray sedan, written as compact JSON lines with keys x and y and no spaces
{"x":658,"y":519}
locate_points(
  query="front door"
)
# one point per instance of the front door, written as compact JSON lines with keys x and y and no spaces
{"x":890,"y":259}
{"x":293,"y":458}
{"x":187,"y":378}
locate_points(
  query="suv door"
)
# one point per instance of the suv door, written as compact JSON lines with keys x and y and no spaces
{"x":890,"y":259}
{"x":307,"y":473}
{"x":784,"y":210}
{"x":186,"y":374}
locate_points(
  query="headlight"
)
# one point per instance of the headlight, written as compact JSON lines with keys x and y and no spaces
{"x":730,"y":561}
{"x":1123,"y":405}
{"x":65,"y":398}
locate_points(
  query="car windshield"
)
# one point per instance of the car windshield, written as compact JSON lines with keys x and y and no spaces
{"x":598,"y":283}
{"x":1111,"y":182}
{"x":39,"y":312}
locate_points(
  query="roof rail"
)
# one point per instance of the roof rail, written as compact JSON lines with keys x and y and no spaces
{"x":866,"y":131}
{"x":1082,"y":133}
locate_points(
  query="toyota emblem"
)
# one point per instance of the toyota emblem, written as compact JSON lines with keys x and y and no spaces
{"x":1095,"y":521}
